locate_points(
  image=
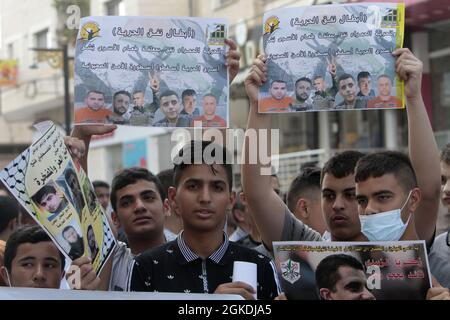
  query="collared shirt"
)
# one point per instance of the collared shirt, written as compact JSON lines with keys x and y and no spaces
{"x":174,"y":267}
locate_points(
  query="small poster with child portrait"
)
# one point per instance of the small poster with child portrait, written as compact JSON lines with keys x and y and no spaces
{"x":332,"y":57}
{"x":387,"y":270}
{"x":57,"y":193}
{"x":152,"y":72}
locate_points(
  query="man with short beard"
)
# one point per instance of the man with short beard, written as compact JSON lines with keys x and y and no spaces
{"x":121,"y":104}
{"x":302,"y":91}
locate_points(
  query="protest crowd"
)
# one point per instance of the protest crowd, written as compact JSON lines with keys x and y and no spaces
{"x":182,"y":230}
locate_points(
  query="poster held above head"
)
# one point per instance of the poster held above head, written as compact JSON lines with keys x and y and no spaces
{"x":152,"y":72}
{"x":319,"y":61}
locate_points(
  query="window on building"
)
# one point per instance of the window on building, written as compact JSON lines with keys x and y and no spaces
{"x":1,"y":31}
{"x":217,"y":4}
{"x":41,"y":38}
{"x":40,"y":41}
{"x":113,"y":8}
{"x":11,"y":51}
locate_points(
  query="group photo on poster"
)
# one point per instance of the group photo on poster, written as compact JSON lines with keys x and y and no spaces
{"x":152,"y":72}
{"x":334,"y":59}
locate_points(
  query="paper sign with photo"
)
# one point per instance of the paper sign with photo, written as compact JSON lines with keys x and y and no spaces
{"x":56,"y":192}
{"x":353,"y":270}
{"x":332,"y":57}
{"x":152,"y":72}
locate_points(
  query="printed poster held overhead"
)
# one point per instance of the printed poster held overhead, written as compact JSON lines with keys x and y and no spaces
{"x":152,"y":72}
{"x":332,"y":57}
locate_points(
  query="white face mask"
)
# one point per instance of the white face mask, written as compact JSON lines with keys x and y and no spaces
{"x":384,"y":226}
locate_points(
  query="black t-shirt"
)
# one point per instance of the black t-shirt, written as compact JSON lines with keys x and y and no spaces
{"x":173,"y":267}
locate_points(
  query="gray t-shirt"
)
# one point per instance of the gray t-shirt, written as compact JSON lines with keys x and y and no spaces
{"x":121,"y":267}
{"x":439,"y":260}
{"x":293,"y":230}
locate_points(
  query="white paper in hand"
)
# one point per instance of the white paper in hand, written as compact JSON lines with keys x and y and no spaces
{"x":245,"y":272}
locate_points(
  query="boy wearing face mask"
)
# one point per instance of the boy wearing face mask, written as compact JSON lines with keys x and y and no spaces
{"x":398,"y":199}
{"x":388,"y":195}
{"x":423,"y":151}
{"x":389,"y":200}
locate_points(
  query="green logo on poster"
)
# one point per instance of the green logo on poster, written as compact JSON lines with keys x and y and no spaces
{"x":391,"y":19}
{"x":290,"y":271}
{"x":216,"y":34}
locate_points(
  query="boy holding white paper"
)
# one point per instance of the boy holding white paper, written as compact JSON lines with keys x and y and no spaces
{"x":201,"y":259}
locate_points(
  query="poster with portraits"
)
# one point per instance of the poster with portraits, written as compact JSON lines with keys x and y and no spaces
{"x":397,"y":270}
{"x":152,"y":72}
{"x":57,"y":193}
{"x":332,"y":57}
